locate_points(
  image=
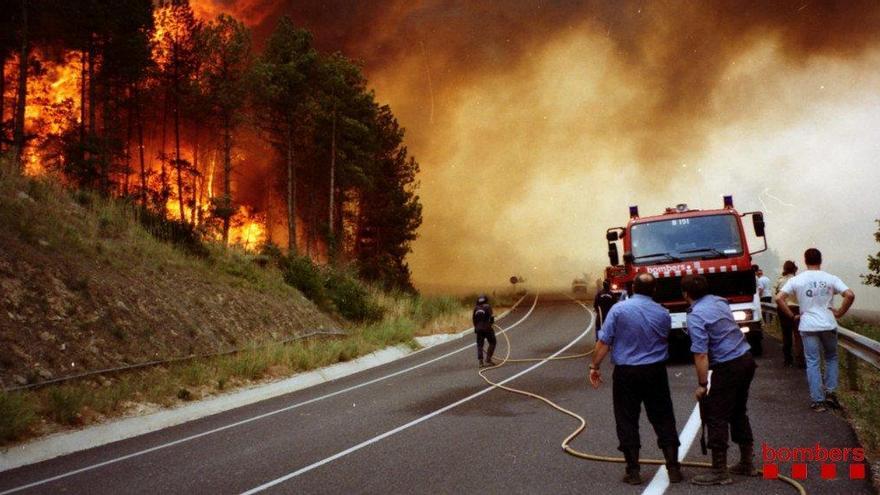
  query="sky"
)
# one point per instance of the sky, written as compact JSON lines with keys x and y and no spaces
{"x":536,"y":124}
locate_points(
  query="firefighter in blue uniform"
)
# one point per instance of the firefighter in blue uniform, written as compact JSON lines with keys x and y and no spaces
{"x":719,"y":347}
{"x":636,"y":334}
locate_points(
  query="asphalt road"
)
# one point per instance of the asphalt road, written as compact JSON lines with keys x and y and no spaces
{"x":429,"y":424}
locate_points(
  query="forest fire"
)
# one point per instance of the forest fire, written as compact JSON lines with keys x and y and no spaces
{"x":177,"y":113}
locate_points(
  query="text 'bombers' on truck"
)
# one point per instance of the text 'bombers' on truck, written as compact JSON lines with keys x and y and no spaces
{"x":682,"y":241}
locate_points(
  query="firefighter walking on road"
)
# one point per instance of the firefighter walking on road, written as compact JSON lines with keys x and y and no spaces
{"x":483,"y":321}
{"x":636,"y":333}
{"x":725,"y":369}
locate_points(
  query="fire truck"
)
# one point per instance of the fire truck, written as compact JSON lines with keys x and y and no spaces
{"x":615,"y":275}
{"x":683,"y":241}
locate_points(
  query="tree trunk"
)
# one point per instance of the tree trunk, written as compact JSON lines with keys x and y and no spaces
{"x":92,"y":96}
{"x":177,"y":163}
{"x":227,"y":176}
{"x":140,"y":127}
{"x":291,"y":195}
{"x":129,"y":132}
{"x":163,"y":159}
{"x":82,"y":97}
{"x":332,"y":200}
{"x":2,"y":101}
{"x":21,"y":99}
{"x":194,"y":175}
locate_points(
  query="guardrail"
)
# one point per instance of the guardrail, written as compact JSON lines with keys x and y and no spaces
{"x":179,"y":359}
{"x":855,"y":344}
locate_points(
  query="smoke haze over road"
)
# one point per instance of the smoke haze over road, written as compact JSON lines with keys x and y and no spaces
{"x":537,"y":123}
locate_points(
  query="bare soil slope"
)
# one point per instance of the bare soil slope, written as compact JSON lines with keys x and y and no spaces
{"x":83,"y":286}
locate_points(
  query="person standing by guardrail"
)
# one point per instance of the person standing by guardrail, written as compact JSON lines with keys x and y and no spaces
{"x":720,"y":348}
{"x":817,"y":324}
{"x":636,"y":333}
{"x":483,"y":320}
{"x":786,"y":324}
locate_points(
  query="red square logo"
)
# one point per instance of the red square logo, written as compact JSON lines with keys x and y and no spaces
{"x":771,"y":471}
{"x":856,"y":471}
{"x":799,"y":471}
{"x":829,"y":471}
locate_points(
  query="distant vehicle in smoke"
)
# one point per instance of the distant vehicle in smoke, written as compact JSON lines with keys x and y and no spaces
{"x":683,"y":241}
{"x":580,"y":286}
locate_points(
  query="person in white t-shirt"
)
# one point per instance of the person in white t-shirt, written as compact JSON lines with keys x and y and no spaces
{"x":763,"y":281}
{"x":817,"y":324}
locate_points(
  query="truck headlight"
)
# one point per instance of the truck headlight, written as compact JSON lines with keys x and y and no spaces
{"x":743,"y":315}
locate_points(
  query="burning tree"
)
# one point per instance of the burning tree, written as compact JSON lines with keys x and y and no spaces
{"x":142,"y":100}
{"x":283,"y":79}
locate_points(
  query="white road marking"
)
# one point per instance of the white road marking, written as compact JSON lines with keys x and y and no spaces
{"x":416,"y":421}
{"x":254,"y":418}
{"x":660,"y":482}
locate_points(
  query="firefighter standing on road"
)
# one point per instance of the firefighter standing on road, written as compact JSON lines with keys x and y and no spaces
{"x":602,"y":304}
{"x":636,"y":333}
{"x":720,"y":346}
{"x":483,"y":320}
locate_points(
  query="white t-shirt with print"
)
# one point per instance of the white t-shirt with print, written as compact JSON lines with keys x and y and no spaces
{"x":814,"y":290}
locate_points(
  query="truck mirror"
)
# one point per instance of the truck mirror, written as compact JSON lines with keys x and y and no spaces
{"x":613,"y":257}
{"x":758,"y":223}
{"x":611,"y":235}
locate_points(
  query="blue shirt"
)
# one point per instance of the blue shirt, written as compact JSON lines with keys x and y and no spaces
{"x":713,"y":330}
{"x":637,"y":330}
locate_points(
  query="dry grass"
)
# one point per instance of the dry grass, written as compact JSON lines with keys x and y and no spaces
{"x":89,"y":402}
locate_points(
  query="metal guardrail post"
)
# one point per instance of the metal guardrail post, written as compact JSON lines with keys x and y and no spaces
{"x":852,"y":371}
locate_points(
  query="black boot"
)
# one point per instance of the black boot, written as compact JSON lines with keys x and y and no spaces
{"x":632,"y":476}
{"x":489,"y":353}
{"x":718,"y":475}
{"x":746,"y":466}
{"x":673,"y":467}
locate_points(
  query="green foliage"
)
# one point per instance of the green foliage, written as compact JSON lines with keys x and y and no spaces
{"x":181,"y":234}
{"x":17,"y":414}
{"x":390,"y":332}
{"x":300,"y":272}
{"x":351,"y":298}
{"x":870,"y":330}
{"x":426,"y":309}
{"x":873,"y":276}
{"x":65,"y":404}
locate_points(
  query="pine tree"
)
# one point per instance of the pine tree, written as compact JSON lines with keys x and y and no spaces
{"x":284,"y":98}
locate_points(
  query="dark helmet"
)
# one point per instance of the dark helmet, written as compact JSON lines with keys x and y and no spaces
{"x":483,"y":299}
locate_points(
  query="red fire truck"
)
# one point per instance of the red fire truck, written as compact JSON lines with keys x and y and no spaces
{"x":616,"y":277}
{"x":684,"y":241}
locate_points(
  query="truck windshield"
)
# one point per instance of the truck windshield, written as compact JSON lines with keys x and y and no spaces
{"x":714,"y":236}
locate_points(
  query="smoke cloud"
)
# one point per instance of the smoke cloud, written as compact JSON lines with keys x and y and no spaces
{"x":536,"y":124}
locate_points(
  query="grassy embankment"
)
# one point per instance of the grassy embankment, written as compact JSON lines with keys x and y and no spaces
{"x":862,"y":406}
{"x":99,"y":251}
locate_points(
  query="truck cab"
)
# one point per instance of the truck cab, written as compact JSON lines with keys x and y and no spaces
{"x":683,"y":241}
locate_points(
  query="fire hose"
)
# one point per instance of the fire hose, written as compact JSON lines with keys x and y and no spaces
{"x":566,"y":443}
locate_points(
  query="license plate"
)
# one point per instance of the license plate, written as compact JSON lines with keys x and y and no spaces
{"x":679,"y":320}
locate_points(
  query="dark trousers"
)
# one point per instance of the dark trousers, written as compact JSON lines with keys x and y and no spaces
{"x":789,"y":334}
{"x":724,"y":408}
{"x":482,"y":336}
{"x":634,"y":385}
